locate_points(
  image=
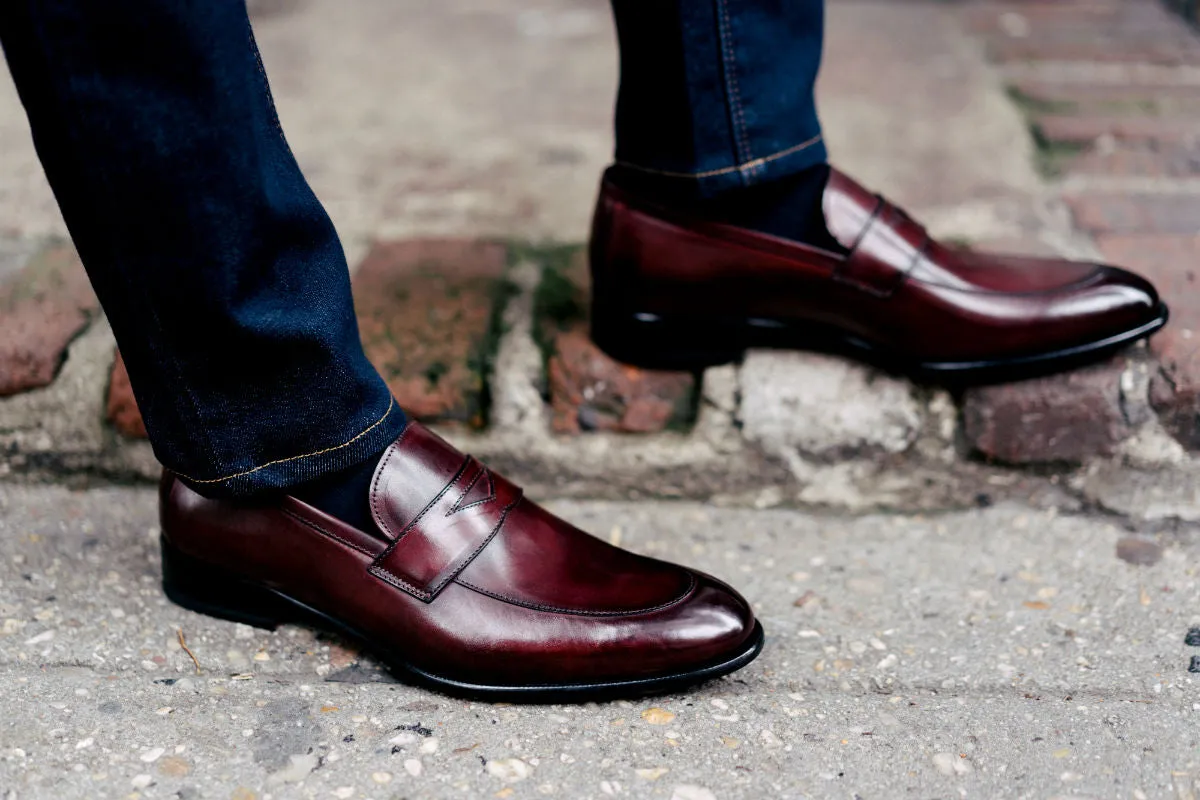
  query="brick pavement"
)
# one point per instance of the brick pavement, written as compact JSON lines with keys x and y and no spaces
{"x":1111,"y":89}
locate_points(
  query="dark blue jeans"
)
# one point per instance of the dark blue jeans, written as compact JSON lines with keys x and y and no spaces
{"x":718,"y":94}
{"x":218,"y":269}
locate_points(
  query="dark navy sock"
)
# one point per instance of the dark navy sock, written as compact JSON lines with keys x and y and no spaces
{"x":345,"y":495}
{"x":789,"y":207}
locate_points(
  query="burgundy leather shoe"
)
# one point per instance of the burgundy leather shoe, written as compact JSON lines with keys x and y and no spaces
{"x":670,"y":290}
{"x":464,"y":585}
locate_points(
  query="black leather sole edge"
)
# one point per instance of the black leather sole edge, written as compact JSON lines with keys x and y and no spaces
{"x":645,"y":340}
{"x":209,"y":590}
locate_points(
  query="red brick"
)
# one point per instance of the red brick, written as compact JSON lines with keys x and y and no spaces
{"x":591,"y":392}
{"x":122,"y":410}
{"x":1116,"y":99}
{"x":588,"y":390}
{"x":1059,"y":418}
{"x":43,"y":307}
{"x":1136,"y":213}
{"x":1123,"y":27}
{"x":1173,"y":264}
{"x":1086,"y":129}
{"x":428,"y":314}
{"x":1118,"y":49}
{"x":1175,"y":395}
{"x":1139,"y":161}
{"x":987,"y":17}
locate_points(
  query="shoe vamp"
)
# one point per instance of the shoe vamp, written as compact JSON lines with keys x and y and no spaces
{"x":540,"y":561}
{"x":985,"y":272}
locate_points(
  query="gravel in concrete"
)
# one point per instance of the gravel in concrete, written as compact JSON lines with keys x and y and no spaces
{"x":998,"y":653}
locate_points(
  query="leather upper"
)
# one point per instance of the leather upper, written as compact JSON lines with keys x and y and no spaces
{"x":896,"y":288}
{"x":467,"y":578}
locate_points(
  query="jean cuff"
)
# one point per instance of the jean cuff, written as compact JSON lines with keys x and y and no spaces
{"x":780,"y":164}
{"x":284,"y":473}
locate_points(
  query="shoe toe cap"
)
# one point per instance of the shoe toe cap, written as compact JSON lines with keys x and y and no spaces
{"x":714,"y":623}
{"x":1115,"y":301}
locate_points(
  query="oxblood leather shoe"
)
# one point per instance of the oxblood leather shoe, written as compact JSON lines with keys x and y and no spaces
{"x":670,"y":290}
{"x":464,"y":585}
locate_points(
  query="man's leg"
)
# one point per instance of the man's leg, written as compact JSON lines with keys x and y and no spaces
{"x":228,"y":292}
{"x":716,"y":110}
{"x":721,"y":228}
{"x":220,"y":272}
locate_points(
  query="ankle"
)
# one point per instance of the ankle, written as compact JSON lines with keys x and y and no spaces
{"x":789,"y":207}
{"x":344,"y":494}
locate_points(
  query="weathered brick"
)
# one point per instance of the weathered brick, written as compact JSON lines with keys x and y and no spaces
{"x":1173,"y":264}
{"x":1099,"y":49}
{"x":1067,"y":417}
{"x":1133,"y":100}
{"x":1136,"y":213}
{"x":43,"y":306}
{"x":428,"y":316}
{"x":1175,"y":395}
{"x":1088,"y":30}
{"x":1149,"y":161}
{"x":1022,"y":16}
{"x":122,"y":409}
{"x":589,"y":391}
{"x":1142,"y":130}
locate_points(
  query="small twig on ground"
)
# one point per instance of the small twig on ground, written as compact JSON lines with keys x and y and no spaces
{"x":186,"y":649}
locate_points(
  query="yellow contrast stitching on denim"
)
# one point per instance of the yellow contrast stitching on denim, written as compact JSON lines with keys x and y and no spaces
{"x":726,"y":170}
{"x":729,"y":54}
{"x":364,"y":432}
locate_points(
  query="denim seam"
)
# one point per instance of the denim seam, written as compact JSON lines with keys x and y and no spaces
{"x":276,"y":462}
{"x":729,"y":59}
{"x":749,"y":165}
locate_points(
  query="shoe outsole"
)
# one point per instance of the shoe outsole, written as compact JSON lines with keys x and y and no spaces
{"x":209,"y":590}
{"x":645,"y":340}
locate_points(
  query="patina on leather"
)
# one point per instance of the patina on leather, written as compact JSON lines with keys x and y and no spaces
{"x":466,"y":580}
{"x":896,"y":290}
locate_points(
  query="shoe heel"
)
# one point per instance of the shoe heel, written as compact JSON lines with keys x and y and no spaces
{"x":206,"y":589}
{"x":646,"y":340}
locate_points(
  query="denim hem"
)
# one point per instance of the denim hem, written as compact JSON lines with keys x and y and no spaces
{"x":773,"y":166}
{"x":283,"y":473}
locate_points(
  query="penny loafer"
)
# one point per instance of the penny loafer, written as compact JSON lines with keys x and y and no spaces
{"x":463,"y":585}
{"x":674,"y":291}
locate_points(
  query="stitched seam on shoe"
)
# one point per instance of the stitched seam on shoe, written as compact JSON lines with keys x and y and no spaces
{"x":330,"y":534}
{"x":462,"y":563}
{"x":758,"y":162}
{"x":428,"y":507}
{"x":687,"y":591}
{"x":399,"y":583}
{"x":491,"y":492}
{"x":391,"y":451}
{"x":278,"y":461}
{"x":451,"y":570}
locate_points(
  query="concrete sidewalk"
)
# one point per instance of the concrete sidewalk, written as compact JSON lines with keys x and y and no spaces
{"x":1002,"y":652}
